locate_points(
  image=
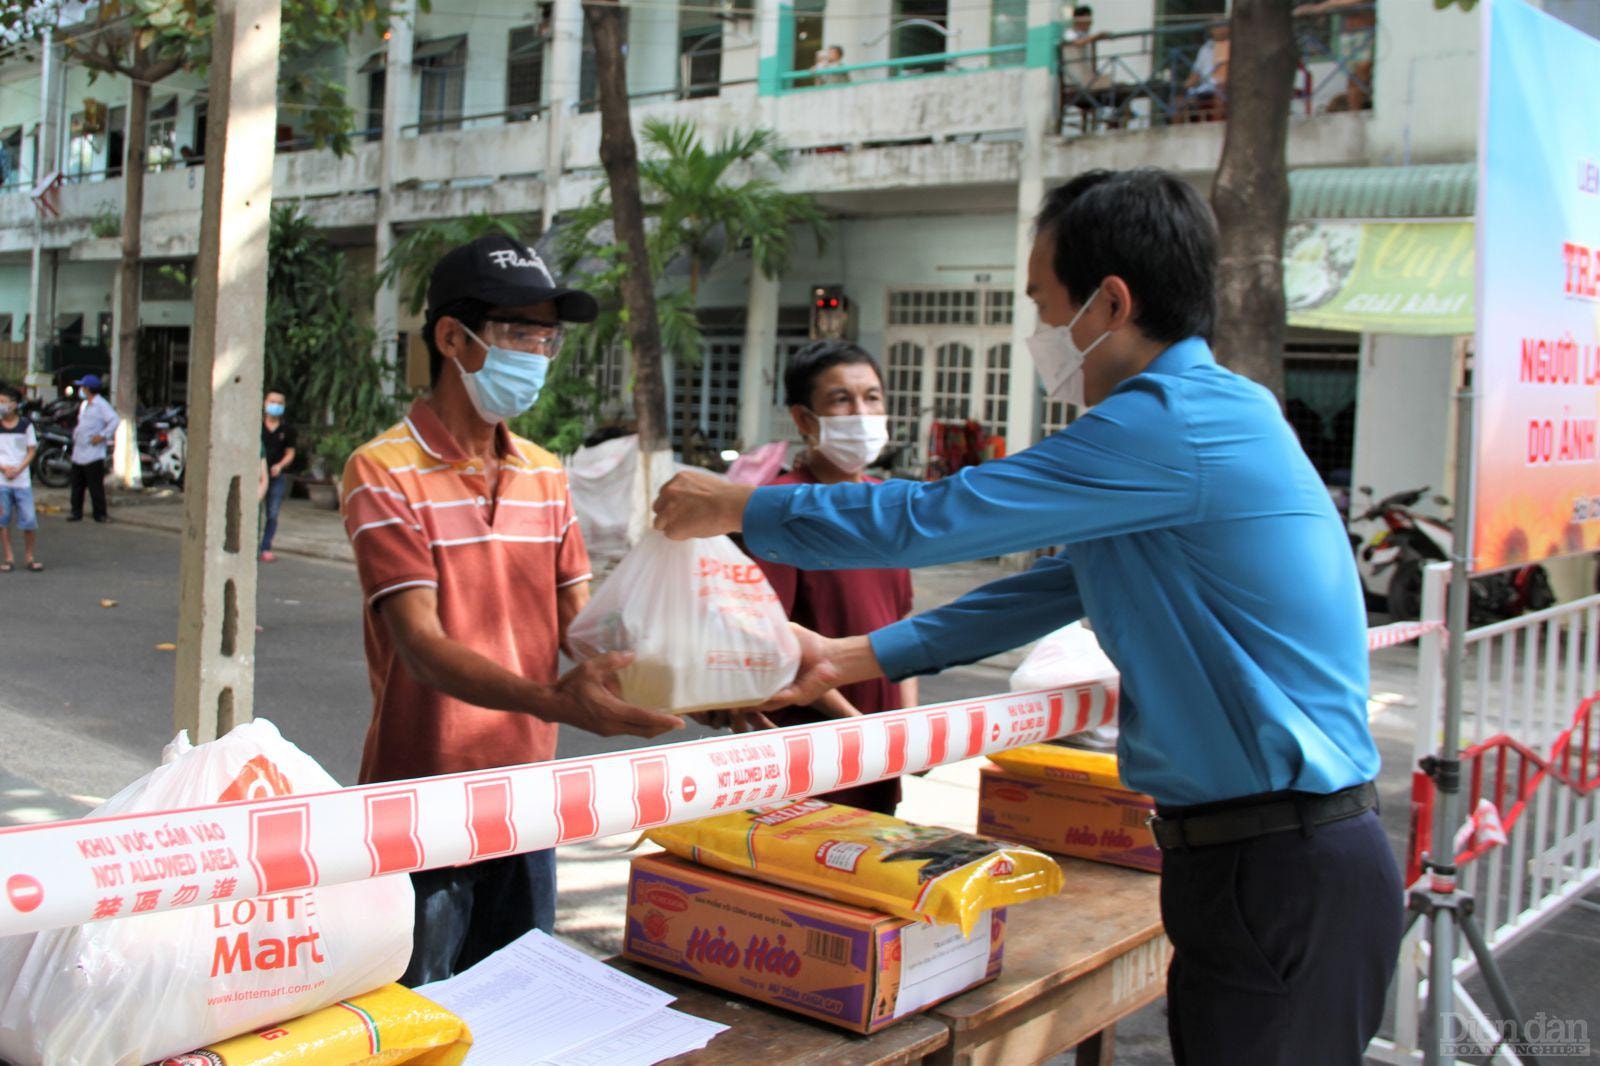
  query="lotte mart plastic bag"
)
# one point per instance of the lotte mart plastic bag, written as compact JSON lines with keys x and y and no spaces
{"x":140,"y":988}
{"x":705,"y":627}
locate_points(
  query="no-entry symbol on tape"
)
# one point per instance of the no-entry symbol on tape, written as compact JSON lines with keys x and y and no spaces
{"x":24,"y":891}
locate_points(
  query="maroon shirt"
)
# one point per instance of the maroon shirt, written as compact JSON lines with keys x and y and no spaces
{"x":844,"y":603}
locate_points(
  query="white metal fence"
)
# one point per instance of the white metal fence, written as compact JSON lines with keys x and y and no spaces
{"x":1528,"y":738}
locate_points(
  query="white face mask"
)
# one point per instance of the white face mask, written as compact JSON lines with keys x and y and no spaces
{"x":1059,"y":360}
{"x":850,"y":442}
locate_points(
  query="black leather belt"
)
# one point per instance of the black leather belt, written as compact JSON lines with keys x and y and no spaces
{"x":1206,"y":827}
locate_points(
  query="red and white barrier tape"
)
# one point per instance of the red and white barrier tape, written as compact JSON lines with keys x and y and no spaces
{"x":1397,"y":633}
{"x":67,"y":873}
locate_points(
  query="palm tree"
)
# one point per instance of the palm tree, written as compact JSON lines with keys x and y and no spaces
{"x":699,"y":201}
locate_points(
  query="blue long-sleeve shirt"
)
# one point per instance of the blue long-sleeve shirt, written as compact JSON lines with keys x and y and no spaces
{"x":1199,"y":541}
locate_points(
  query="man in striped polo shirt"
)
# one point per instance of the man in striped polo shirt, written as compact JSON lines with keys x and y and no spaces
{"x":472,"y":565}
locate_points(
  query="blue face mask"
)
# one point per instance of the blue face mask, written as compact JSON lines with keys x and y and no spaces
{"x":275,"y":410}
{"x":508,"y":382}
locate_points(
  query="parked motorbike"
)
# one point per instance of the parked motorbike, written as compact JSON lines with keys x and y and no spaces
{"x":52,"y":461}
{"x":163,"y":440}
{"x":1392,"y":562}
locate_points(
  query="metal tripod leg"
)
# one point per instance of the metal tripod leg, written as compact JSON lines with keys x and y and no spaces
{"x":1425,"y":903}
{"x":1492,"y":976}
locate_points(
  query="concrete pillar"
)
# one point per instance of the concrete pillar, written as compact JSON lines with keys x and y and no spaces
{"x":397,"y":67}
{"x":1039,"y":122}
{"x":775,"y":35}
{"x":217,"y":612}
{"x":759,"y":368}
{"x":47,"y":158}
{"x":565,"y":55}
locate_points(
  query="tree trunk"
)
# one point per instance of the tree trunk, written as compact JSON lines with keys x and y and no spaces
{"x":1251,"y":195}
{"x":125,"y":359}
{"x":620,"y":156}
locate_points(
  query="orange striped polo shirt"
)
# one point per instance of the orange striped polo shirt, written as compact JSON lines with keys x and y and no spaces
{"x":420,"y":512}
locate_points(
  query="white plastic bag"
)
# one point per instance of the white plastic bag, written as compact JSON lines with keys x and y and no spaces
{"x":705,"y":627}
{"x":137,"y":989}
{"x":1070,"y":656}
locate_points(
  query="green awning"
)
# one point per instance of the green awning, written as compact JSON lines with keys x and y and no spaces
{"x":1439,"y":190}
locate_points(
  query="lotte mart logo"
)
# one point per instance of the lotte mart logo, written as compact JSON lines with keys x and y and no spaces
{"x":1541,"y":1035}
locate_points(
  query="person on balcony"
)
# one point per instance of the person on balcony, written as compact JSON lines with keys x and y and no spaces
{"x":1354,"y":47}
{"x":829,"y":58}
{"x":1205,"y":91}
{"x":1080,"y":69}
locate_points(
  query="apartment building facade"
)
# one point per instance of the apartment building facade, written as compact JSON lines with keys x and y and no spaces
{"x":930,"y":144}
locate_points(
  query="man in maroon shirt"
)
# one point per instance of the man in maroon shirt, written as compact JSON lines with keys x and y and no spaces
{"x":834,"y":390}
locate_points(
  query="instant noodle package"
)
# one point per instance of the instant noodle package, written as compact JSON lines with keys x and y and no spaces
{"x":851,"y":967}
{"x":921,"y":873}
{"x":392,"y":1026}
{"x":1069,"y":802}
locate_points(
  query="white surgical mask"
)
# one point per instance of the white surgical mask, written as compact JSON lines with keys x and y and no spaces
{"x":851,"y":442}
{"x":1059,"y":360}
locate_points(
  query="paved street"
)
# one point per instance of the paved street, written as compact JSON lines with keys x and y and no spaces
{"x":85,"y":706}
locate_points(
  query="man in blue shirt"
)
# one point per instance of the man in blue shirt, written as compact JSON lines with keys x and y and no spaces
{"x":1209,"y":557}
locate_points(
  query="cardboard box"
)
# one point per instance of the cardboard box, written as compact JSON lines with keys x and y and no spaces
{"x":1086,"y":821}
{"x":854,"y":968}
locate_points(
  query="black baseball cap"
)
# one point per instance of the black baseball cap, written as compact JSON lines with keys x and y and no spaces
{"x":503,"y":272}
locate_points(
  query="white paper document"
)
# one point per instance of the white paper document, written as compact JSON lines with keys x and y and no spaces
{"x":937,"y":961}
{"x":663,"y":1035}
{"x":536,"y":998}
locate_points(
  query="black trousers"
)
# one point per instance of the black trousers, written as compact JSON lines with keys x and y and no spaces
{"x":467,"y":913}
{"x":93,"y":476}
{"x":1283,"y":946}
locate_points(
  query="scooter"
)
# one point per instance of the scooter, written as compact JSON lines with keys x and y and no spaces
{"x":164,"y":445}
{"x":1391,"y":563}
{"x":52,"y":461}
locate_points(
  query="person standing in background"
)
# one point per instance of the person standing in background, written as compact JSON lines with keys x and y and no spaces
{"x":834,"y":391}
{"x":97,"y":424}
{"x":18,"y":443}
{"x":278,"y":446}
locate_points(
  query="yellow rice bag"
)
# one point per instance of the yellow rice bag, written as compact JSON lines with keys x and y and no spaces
{"x":923,"y":873}
{"x":1055,"y":762}
{"x":387,"y":1027}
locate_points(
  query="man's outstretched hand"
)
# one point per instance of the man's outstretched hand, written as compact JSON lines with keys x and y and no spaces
{"x":587,"y":698}
{"x":825,"y":664}
{"x":694,"y":505}
{"x":831,"y":705}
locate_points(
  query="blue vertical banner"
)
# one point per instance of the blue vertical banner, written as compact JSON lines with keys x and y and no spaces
{"x":1537,"y":356}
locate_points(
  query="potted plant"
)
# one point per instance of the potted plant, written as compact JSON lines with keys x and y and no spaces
{"x":328,"y":456}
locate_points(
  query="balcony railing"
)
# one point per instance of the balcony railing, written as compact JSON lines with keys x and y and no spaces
{"x":1130,"y":81}
{"x":932,"y":63}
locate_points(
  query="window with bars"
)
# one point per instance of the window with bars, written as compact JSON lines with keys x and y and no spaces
{"x":903,"y":390}
{"x":783,"y":427}
{"x":933,"y":307}
{"x":952,"y":381}
{"x":442,"y":66}
{"x":1054,"y":415}
{"x":161,"y":148}
{"x":1320,"y":389}
{"x":998,"y":307}
{"x":524,"y":72}
{"x":996,"y":389}
{"x":707,"y":395}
